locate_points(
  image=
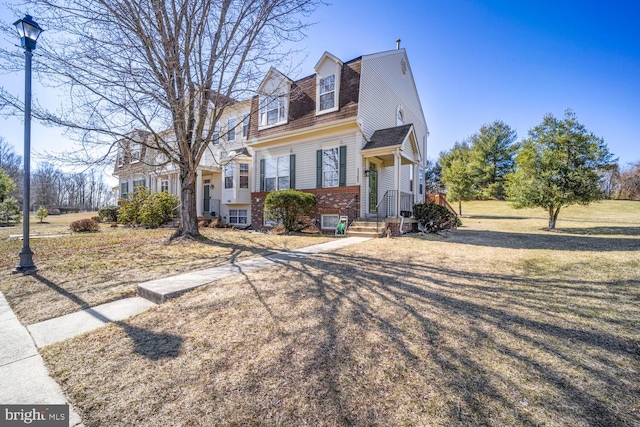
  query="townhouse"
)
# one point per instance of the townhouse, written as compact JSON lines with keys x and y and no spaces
{"x":353,"y":133}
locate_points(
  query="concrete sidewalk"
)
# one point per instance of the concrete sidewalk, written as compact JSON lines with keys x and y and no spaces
{"x":24,"y":378}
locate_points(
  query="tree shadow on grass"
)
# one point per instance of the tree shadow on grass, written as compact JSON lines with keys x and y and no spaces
{"x":351,"y":289}
{"x":152,"y":345}
{"x":606,"y":231}
{"x":501,"y":239}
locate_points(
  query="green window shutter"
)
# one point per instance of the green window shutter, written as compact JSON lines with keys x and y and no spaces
{"x":343,"y":166}
{"x":292,"y":171}
{"x":319,"y":169}
{"x":261,"y":174}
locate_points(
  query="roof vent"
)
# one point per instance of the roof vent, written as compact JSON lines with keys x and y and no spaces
{"x":398,"y":44}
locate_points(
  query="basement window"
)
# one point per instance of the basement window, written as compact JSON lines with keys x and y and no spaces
{"x":329,"y":222}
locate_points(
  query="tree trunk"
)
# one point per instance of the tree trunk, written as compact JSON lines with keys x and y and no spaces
{"x":553,"y":217}
{"x":460,"y":207}
{"x":188,"y":216}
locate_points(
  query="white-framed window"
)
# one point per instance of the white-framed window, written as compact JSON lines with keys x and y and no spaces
{"x":120,"y":156}
{"x":136,"y":151}
{"x":216,"y":134}
{"x":327,"y":92}
{"x":329,"y":222}
{"x":164,"y":185}
{"x":244,"y":175}
{"x":270,"y":222}
{"x":231,"y":129}
{"x":238,"y":216}
{"x":400,"y":116}
{"x":124,"y":190}
{"x":330,"y":167}
{"x":276,"y":173}
{"x":228,"y":175}
{"x":245,"y":125}
{"x":273,"y":110}
{"x":139,"y":182}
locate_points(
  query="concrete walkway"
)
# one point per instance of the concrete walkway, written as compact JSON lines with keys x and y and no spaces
{"x":162,"y":290}
{"x":24,"y":378}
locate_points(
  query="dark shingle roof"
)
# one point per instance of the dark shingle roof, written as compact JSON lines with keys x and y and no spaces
{"x":388,"y":137}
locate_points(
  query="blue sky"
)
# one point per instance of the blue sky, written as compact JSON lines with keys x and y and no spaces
{"x":475,"y":62}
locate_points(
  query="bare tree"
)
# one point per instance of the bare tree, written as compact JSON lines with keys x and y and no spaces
{"x":610,"y":181}
{"x":629,"y":182}
{"x":154,"y":65}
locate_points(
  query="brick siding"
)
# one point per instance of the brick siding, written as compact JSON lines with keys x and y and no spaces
{"x":335,"y":200}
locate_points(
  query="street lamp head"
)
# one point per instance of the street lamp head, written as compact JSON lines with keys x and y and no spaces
{"x":29,"y":31}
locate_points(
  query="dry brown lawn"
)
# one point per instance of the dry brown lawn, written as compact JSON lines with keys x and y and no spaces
{"x":498,"y":323}
{"x":84,"y":270}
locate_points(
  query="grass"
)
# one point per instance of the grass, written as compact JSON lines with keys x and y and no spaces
{"x":84,"y":270}
{"x":498,"y":323}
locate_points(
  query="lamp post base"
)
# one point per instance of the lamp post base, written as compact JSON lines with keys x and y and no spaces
{"x":25,"y":265}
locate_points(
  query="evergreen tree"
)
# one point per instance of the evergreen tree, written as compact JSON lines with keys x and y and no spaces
{"x":457,"y":173}
{"x":492,"y":156}
{"x":559,"y":165}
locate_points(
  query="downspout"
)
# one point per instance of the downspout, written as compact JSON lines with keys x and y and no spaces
{"x":364,"y":184}
{"x":401,"y":224}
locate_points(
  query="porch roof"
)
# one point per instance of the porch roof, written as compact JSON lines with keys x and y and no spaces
{"x":389,"y":137}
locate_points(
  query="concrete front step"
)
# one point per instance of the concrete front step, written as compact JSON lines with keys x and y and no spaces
{"x":362,"y":227}
{"x":370,"y":234}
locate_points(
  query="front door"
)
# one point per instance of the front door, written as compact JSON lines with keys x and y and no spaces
{"x":207,"y":199}
{"x":373,"y":188}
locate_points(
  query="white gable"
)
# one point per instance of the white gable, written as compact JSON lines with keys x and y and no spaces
{"x":275,"y":82}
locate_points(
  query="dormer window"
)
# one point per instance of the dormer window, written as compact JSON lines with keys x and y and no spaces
{"x":120,"y":156}
{"x":273,"y":110}
{"x":328,"y":71}
{"x":274,"y":99}
{"x":136,"y":150}
{"x":328,"y":92}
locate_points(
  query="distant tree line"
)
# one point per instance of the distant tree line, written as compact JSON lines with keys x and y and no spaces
{"x":622,"y":183}
{"x":53,"y":188}
{"x":559,"y":164}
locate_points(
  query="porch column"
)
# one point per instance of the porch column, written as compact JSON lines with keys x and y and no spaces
{"x":397,"y":162}
{"x":416,"y":183}
{"x":199,"y":193}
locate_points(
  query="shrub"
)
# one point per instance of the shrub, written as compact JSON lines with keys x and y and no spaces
{"x":86,"y":225}
{"x":435,"y":217}
{"x":97,"y":218}
{"x":149,"y":210}
{"x":130,"y":209}
{"x":10,"y":211}
{"x":109,"y":213}
{"x":288,"y":207}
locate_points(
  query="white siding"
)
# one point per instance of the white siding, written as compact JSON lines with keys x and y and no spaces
{"x":383,"y":87}
{"x":306,"y":159}
{"x":408,"y":149}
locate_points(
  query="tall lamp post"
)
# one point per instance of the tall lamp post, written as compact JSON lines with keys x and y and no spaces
{"x":29,"y":32}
